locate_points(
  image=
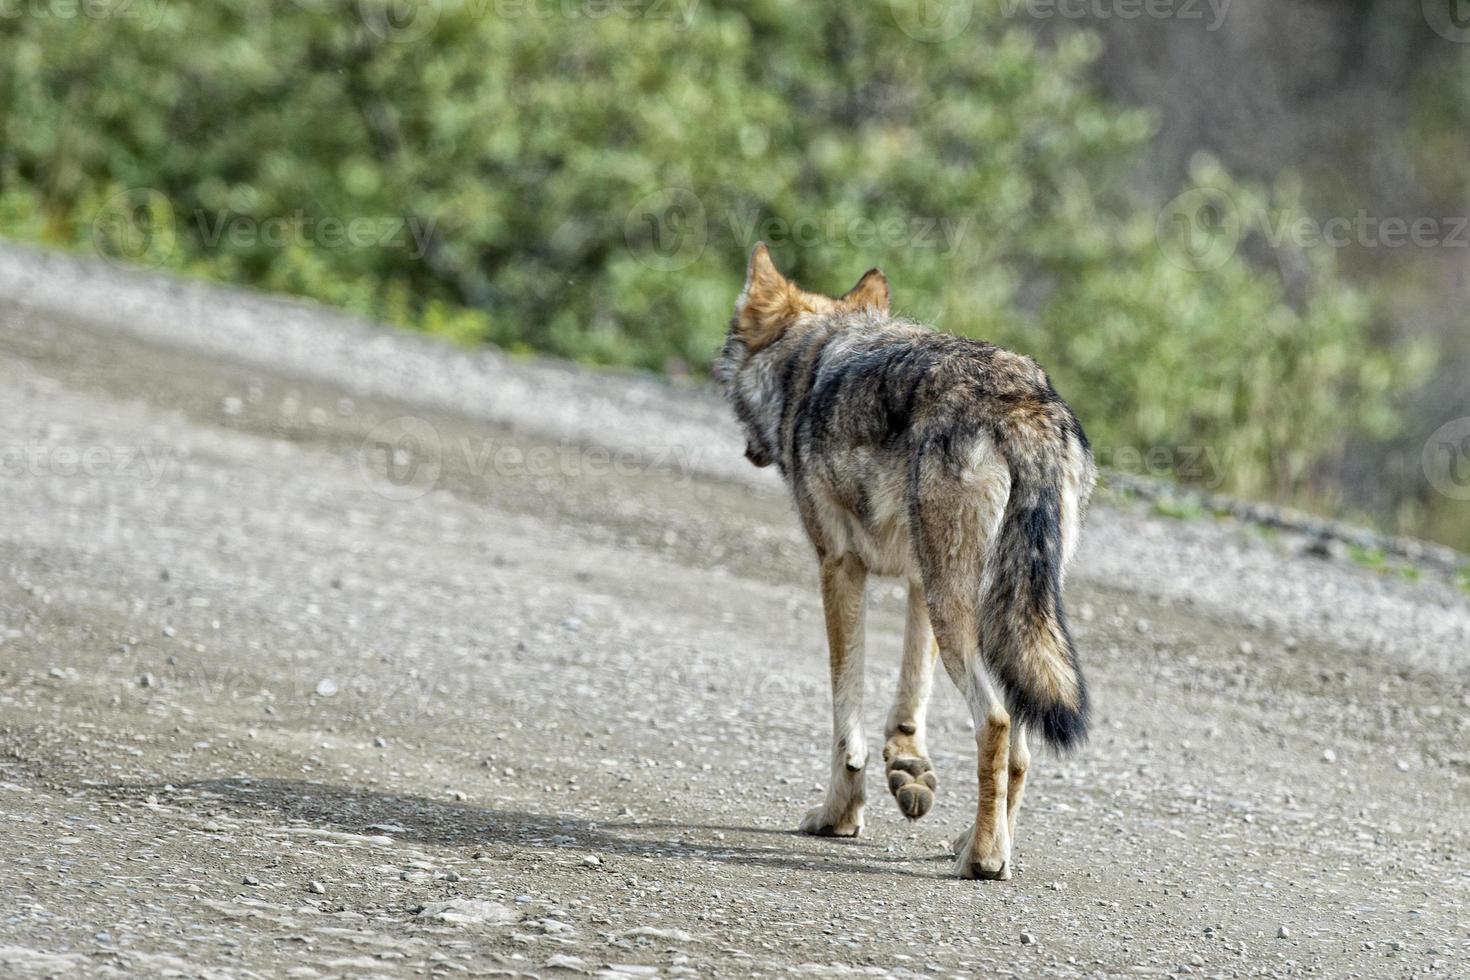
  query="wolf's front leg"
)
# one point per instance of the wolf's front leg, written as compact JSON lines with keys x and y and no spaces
{"x":841,"y":815}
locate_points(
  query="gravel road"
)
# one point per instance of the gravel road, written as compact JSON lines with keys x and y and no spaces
{"x":540,"y":689}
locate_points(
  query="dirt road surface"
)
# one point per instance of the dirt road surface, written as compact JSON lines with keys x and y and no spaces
{"x":329,"y":651}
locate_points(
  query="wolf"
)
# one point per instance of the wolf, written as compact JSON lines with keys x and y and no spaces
{"x":954,"y":465}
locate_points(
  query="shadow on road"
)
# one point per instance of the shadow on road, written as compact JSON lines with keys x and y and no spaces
{"x":451,"y":824}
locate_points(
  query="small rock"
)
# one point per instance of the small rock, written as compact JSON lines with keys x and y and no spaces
{"x":147,"y":680}
{"x":170,"y":632}
{"x":1027,"y":939}
{"x":451,"y":876}
{"x":1196,"y":960}
{"x":466,"y":911}
{"x":316,"y":888}
{"x":1142,"y":626}
{"x":572,"y":624}
{"x":1283,"y":933}
{"x":458,"y":796}
{"x":326,"y":688}
{"x":380,"y":742}
{"x":1328,"y":755}
{"x":1247,"y":648}
{"x":250,"y":880}
{"x":592,"y":861}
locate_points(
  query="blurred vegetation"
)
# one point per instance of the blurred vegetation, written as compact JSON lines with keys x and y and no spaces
{"x":588,"y":184}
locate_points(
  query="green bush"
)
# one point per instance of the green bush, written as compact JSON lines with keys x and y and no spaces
{"x":588,"y":185}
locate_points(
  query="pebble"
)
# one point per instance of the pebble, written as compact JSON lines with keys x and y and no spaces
{"x":170,"y":632}
{"x":147,"y":680}
{"x":326,"y":688}
{"x":592,"y":861}
{"x":1282,"y":932}
{"x":380,"y":742}
{"x":250,"y":880}
{"x":316,"y":888}
{"x":1329,"y":755}
{"x":468,"y":912}
{"x":1027,"y":939}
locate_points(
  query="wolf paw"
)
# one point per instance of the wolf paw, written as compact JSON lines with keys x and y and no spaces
{"x":988,"y":862}
{"x":912,"y":782}
{"x":911,"y":777}
{"x":822,"y":821}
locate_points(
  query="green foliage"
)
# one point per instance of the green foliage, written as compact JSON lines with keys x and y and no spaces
{"x":1368,"y":557}
{"x":1178,"y":508}
{"x":589,"y":186}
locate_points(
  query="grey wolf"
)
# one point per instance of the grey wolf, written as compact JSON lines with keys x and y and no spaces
{"x":954,"y":465}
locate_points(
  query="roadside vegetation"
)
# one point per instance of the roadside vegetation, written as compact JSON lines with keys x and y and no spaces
{"x":589,"y":188}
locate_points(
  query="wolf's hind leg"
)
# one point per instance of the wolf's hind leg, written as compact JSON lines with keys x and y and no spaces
{"x":983,"y":850}
{"x":1020,"y":763}
{"x":911,"y":777}
{"x":956,"y":520}
{"x":841,"y":815}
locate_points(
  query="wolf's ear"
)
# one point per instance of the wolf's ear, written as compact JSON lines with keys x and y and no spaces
{"x":768,"y":302}
{"x":871,"y":292}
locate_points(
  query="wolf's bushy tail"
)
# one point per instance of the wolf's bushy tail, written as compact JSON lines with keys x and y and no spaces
{"x":1024,"y":636}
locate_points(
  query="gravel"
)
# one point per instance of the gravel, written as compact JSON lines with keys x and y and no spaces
{"x":635,"y":780}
